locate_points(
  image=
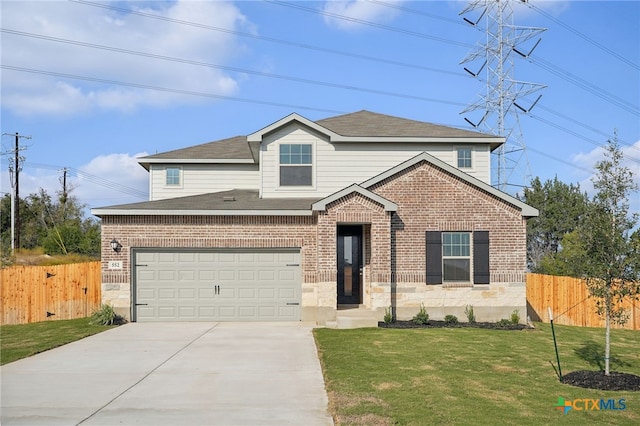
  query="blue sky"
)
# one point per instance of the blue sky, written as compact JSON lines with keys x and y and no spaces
{"x":231,"y":68}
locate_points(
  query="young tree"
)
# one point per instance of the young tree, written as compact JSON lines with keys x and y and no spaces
{"x":612,"y":273}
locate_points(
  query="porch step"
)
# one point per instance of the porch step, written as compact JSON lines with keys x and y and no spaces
{"x":355,"y":318}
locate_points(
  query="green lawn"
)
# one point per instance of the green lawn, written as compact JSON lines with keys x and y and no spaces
{"x":469,"y":376}
{"x":21,"y":341}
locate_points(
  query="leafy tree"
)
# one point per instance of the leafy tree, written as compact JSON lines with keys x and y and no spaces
{"x":612,"y":271}
{"x":56,"y":224}
{"x":570,"y":260}
{"x":36,"y":217}
{"x":562,"y":209}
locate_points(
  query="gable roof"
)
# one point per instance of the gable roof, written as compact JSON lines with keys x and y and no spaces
{"x":361,"y":126}
{"x":225,"y":203}
{"x":321,"y":205}
{"x":367,"y":126}
{"x":526,"y":210}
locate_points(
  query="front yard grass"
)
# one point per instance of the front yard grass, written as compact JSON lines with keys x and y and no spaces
{"x":469,"y":376}
{"x":23,"y":340}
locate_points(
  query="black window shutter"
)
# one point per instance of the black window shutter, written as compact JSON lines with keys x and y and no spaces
{"x":434,"y":257}
{"x":481,"y":257}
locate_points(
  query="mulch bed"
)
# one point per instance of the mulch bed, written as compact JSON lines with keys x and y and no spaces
{"x":597,"y":380}
{"x":442,"y":324}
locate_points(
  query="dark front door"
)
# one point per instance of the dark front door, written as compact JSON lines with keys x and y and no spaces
{"x":349,"y":265}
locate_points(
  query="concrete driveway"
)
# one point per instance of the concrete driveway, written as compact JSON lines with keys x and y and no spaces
{"x":172,"y":374}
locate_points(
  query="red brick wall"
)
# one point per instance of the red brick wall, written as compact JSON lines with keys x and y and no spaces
{"x":427,"y":197}
{"x":430,"y":199}
{"x":355,"y":209}
{"x":207,"y":232}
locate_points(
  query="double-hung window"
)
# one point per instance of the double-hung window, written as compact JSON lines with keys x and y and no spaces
{"x":172,"y":176}
{"x":296,"y":167}
{"x":456,"y":256}
{"x":464,"y":158}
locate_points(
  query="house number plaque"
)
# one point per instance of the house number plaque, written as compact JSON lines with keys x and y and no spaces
{"x":115,"y":265}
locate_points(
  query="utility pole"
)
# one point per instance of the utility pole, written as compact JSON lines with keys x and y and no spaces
{"x":64,"y":196}
{"x":14,"y":170}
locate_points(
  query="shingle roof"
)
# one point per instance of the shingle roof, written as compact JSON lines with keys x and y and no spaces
{"x":358,"y":124}
{"x":233,"y":148}
{"x":367,"y":123}
{"x":246,"y":200}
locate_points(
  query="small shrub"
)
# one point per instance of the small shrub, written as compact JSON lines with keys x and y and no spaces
{"x":515,"y":317}
{"x":504,"y":322}
{"x":106,"y":316}
{"x":388,"y":317}
{"x":471,"y":317}
{"x":422,"y":317}
{"x":451,"y":319}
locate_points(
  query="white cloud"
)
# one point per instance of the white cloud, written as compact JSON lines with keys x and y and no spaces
{"x":105,"y":180}
{"x":363,"y":10}
{"x":631,"y":160}
{"x":102,"y":181}
{"x":31,"y":94}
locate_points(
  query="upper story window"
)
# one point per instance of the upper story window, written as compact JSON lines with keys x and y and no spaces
{"x":172,"y":176}
{"x":464,"y":158}
{"x":296,"y":165}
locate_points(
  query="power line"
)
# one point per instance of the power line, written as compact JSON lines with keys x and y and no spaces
{"x":418,"y":12}
{"x":584,"y":36}
{"x":92,"y":178}
{"x":227,"y":68}
{"x":585,"y":85}
{"x":370,"y":24}
{"x":271,"y":39}
{"x":168,"y":90}
{"x":308,"y":81}
{"x":236,"y":32}
{"x":579,"y":136}
{"x":547,"y":122}
{"x":565,"y":75}
{"x":550,"y":67}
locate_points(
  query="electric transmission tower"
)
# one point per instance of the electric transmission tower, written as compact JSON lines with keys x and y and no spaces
{"x":498,"y":107}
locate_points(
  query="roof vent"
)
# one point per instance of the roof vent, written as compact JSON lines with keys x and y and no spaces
{"x":229,"y":198}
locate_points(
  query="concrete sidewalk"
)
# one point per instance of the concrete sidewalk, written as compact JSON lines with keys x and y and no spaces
{"x":170,"y":374}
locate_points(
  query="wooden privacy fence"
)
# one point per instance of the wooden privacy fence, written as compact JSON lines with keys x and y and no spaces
{"x":44,"y":293}
{"x":570,"y":303}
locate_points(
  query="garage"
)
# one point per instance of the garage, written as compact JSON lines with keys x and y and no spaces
{"x":216,"y":285}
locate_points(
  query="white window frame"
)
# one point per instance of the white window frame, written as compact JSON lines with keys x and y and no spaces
{"x":311,"y":166}
{"x":166,"y":177}
{"x":471,"y":158}
{"x":468,"y":257}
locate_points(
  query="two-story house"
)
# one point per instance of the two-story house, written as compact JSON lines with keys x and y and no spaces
{"x":303,"y":217}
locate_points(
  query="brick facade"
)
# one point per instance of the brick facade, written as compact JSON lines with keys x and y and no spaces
{"x":428,"y":199}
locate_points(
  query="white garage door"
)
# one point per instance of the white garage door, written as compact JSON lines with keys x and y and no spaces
{"x":183,"y":285}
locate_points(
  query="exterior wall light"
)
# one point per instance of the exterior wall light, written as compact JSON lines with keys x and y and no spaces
{"x":115,"y":245}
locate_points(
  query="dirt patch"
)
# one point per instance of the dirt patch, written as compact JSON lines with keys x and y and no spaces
{"x":615,"y":381}
{"x":387,"y":385}
{"x":364,"y":420}
{"x":349,"y":401}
